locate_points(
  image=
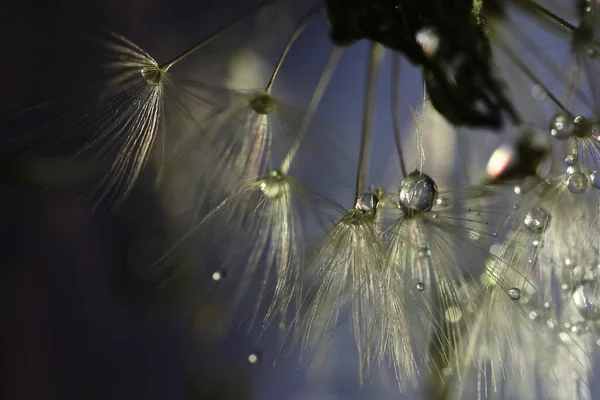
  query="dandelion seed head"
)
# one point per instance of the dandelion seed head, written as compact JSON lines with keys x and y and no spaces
{"x":152,"y":74}
{"x":577,"y":182}
{"x":274,"y":185}
{"x":537,"y":220}
{"x":562,"y":126}
{"x":418,"y":193}
{"x":263,"y":104}
{"x":587,"y":301}
{"x":514,"y":293}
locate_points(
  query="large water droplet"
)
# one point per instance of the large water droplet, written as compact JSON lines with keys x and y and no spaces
{"x":587,"y":301}
{"x":537,"y":220}
{"x":562,"y":126}
{"x":514,"y":293}
{"x":418,"y":193}
{"x":577,"y":183}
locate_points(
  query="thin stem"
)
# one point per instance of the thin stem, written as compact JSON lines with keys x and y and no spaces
{"x":531,"y":5}
{"x":312,"y":107}
{"x":295,"y":35}
{"x":548,"y":62}
{"x":530,"y":74}
{"x":165,"y":67}
{"x":377,"y":53}
{"x":396,"y":61}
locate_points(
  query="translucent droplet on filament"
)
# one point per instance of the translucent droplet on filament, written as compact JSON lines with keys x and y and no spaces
{"x":418,"y":193}
{"x":587,"y":301}
{"x":537,"y":220}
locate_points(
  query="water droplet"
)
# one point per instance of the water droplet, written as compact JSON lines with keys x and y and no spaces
{"x":253,"y":358}
{"x":595,"y":179}
{"x":418,"y":193}
{"x":218,"y":276}
{"x":537,"y":220}
{"x":429,"y":41}
{"x":587,"y":301}
{"x":533,"y":315}
{"x":577,"y":183}
{"x":562,"y":126}
{"x":517,"y":190}
{"x":263,"y":104}
{"x":152,"y":74}
{"x":443,"y":201}
{"x":571,"y":159}
{"x":514,"y":293}
{"x":420,"y":286}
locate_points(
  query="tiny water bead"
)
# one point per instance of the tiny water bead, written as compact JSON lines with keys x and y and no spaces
{"x":562,"y":126}
{"x":218,"y":276}
{"x":420,"y":286}
{"x":514,"y":293}
{"x":152,"y":74}
{"x":264,"y":104}
{"x":587,"y":301}
{"x":253,"y":358}
{"x":537,"y":220}
{"x":577,"y":182}
{"x":418,"y":193}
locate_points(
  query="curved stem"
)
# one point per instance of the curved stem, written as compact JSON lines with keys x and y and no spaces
{"x":165,"y":67}
{"x":377,"y":53}
{"x":312,"y":108}
{"x":395,"y":106}
{"x":295,"y":35}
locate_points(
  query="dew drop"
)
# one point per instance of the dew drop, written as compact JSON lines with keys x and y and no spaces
{"x":420,"y":286}
{"x":571,"y":160}
{"x":562,"y":126}
{"x":418,"y":193}
{"x":218,"y":276}
{"x":263,"y":104}
{"x":152,"y":74}
{"x":587,"y":301}
{"x":514,"y":293}
{"x":577,"y":183}
{"x":537,"y":220}
{"x":253,"y":358}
